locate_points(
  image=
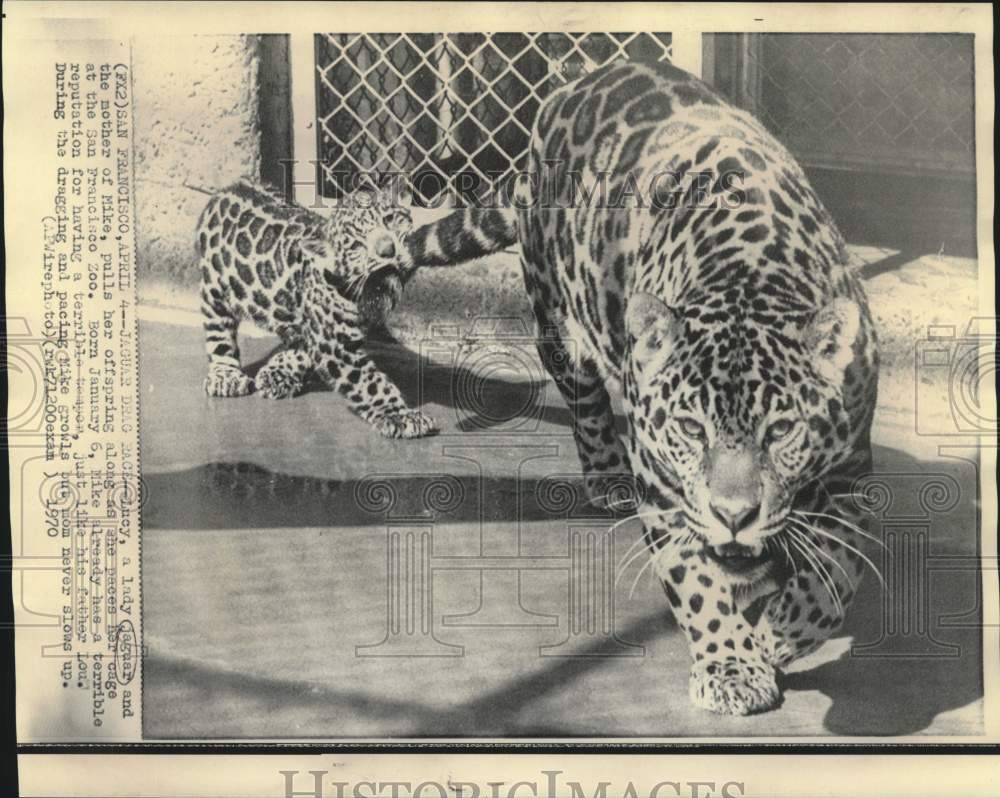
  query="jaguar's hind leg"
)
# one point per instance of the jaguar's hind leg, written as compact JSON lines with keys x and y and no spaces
{"x":284,"y":374}
{"x":225,"y":377}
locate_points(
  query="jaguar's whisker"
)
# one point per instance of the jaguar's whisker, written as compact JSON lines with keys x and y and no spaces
{"x":617,"y":503}
{"x":849,"y":547}
{"x":649,"y":547}
{"x":829,"y":557}
{"x":789,"y":557}
{"x":808,"y":548}
{"x":638,"y":576}
{"x":858,"y":498}
{"x":844,"y":523}
{"x":821,"y":572}
{"x":635,"y":516}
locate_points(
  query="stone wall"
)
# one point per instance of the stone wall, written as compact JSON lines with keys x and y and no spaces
{"x":196,"y":122}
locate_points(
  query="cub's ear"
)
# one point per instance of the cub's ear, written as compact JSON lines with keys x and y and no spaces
{"x":315,"y":247}
{"x":652,"y":327}
{"x":830,"y":337}
{"x":398,"y":193}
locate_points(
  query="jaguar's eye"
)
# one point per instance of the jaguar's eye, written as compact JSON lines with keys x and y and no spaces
{"x":692,"y":429}
{"x":779,"y":429}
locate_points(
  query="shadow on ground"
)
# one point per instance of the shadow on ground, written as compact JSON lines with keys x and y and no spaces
{"x":887,"y":684}
{"x":893,"y":685}
{"x":465,"y":382}
{"x":492,"y":712}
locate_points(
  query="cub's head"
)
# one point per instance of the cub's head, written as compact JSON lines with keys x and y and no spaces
{"x":736,"y":417}
{"x":365,"y":240}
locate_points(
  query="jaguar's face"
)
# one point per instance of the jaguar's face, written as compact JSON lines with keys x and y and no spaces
{"x":367,"y":234}
{"x":369,"y":230}
{"x":737,"y":425}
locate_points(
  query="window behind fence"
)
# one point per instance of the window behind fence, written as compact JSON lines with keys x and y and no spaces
{"x":891,"y":102}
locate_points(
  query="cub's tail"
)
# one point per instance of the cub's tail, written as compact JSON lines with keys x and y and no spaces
{"x":463,"y":235}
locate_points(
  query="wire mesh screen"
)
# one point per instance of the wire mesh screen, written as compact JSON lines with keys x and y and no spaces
{"x":453,"y":112}
{"x":903,"y":101}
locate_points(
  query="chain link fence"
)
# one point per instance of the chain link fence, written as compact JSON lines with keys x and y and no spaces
{"x":453,"y":112}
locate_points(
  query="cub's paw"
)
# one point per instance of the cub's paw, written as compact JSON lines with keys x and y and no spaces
{"x":227,"y":381}
{"x":406,"y":424}
{"x":277,"y":383}
{"x":733,"y":686}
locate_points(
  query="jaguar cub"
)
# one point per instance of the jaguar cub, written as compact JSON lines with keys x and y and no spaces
{"x":322,"y":285}
{"x":673,"y":248}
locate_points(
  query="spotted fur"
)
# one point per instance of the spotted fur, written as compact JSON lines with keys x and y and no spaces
{"x":717,"y":296}
{"x":322,"y":285}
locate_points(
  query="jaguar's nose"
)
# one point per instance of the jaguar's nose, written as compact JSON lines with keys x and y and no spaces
{"x":385,"y":247}
{"x":735,"y":519}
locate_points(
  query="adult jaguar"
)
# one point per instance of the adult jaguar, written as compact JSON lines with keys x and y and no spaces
{"x":712,"y":286}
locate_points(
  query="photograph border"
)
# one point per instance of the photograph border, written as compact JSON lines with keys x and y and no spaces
{"x":100,"y":20}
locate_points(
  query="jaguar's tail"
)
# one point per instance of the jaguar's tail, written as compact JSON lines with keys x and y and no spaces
{"x":463,"y":235}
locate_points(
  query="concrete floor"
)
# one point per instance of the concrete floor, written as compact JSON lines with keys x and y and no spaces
{"x":267,"y":554}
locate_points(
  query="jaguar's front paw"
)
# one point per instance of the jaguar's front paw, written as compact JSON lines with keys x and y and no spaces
{"x":406,"y":424}
{"x":733,"y":686}
{"x":227,"y":381}
{"x":277,"y":383}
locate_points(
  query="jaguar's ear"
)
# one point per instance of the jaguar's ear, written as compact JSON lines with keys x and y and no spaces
{"x":315,"y":247}
{"x":398,"y":193}
{"x":652,"y":327}
{"x":830,"y":335}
